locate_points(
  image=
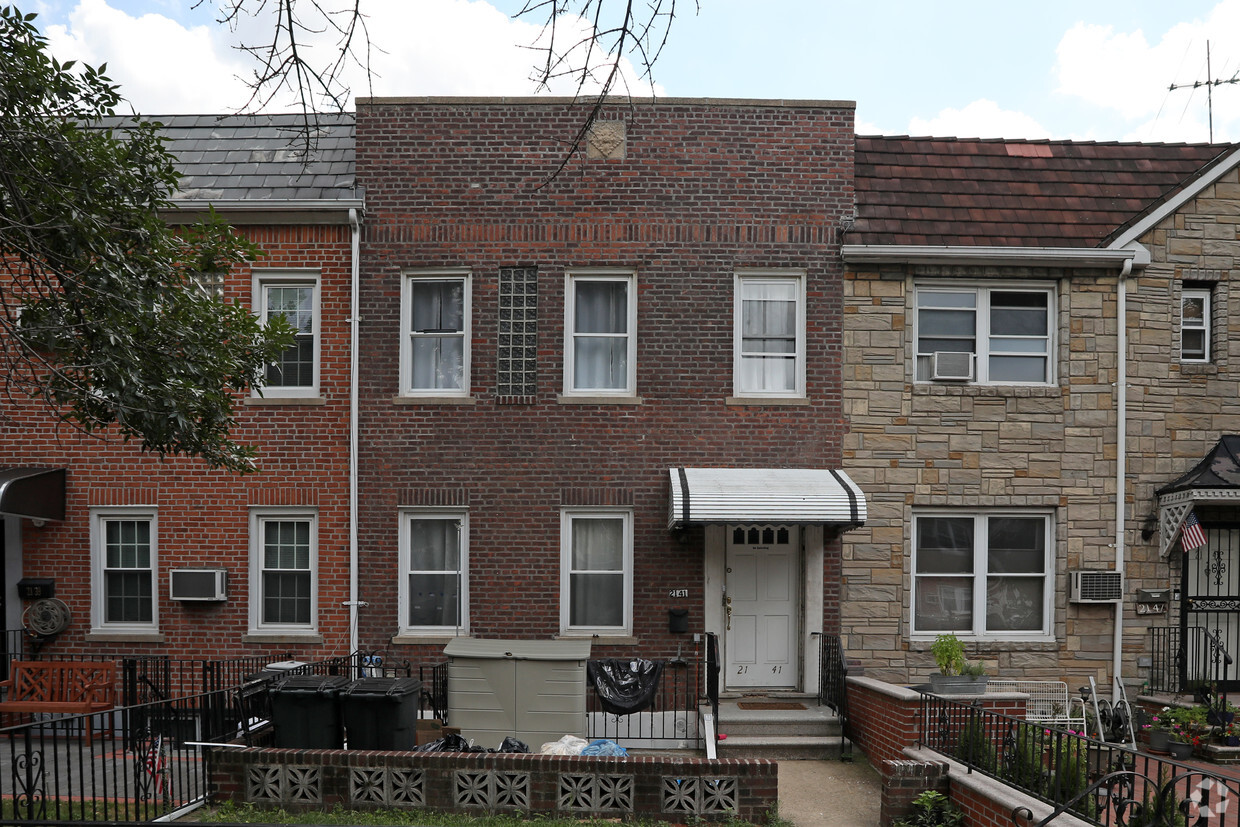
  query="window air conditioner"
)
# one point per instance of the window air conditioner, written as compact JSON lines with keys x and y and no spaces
{"x":197,"y":584}
{"x":949,"y":365}
{"x":1095,"y":586}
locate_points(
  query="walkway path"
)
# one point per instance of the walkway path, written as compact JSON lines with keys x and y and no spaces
{"x":829,"y":793}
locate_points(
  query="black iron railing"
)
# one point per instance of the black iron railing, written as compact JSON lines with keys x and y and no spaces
{"x":670,"y":721}
{"x":833,"y":686}
{"x":434,"y":679}
{"x":710,"y":677}
{"x":1104,"y":784}
{"x":1188,"y":661}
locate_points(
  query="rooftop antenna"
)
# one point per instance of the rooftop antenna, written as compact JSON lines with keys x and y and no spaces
{"x":1209,"y":83}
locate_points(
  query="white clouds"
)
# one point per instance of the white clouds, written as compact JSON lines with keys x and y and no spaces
{"x":428,"y":47}
{"x":980,"y":119}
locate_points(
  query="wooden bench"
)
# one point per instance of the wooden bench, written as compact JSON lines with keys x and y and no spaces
{"x":60,"y":687}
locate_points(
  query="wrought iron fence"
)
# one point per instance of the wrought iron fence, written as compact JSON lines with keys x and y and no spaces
{"x":833,"y":686}
{"x":434,"y":679}
{"x":671,"y":720}
{"x":1183,"y":662}
{"x":1104,"y":784}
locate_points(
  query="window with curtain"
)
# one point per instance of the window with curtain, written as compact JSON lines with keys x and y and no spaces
{"x":293,"y":296}
{"x":434,"y":563}
{"x":124,"y":557}
{"x":1008,"y":332}
{"x":769,"y":333}
{"x":984,"y":574}
{"x":601,"y":346}
{"x":285,"y":559}
{"x":435,"y":351}
{"x":597,"y":575}
{"x":1195,"y":315}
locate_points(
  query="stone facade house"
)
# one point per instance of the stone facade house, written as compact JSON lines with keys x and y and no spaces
{"x":605,"y":403}
{"x":104,"y":526}
{"x":1011,"y":309}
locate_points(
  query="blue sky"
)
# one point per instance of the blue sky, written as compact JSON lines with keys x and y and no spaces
{"x":1097,"y":70}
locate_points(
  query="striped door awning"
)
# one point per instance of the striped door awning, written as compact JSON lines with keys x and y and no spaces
{"x":702,"y":496}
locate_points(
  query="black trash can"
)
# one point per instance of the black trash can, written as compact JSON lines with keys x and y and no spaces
{"x":305,"y":712}
{"x":381,"y":713}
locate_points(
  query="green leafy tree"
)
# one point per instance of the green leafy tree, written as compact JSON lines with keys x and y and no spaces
{"x":101,"y":312}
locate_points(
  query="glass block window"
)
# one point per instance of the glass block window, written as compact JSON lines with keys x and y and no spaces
{"x":517,"y":370}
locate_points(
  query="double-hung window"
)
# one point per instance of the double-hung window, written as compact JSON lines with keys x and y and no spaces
{"x":1195,"y":317}
{"x":769,"y":334}
{"x":434,"y":353}
{"x":434,"y":572}
{"x":283,"y":584}
{"x":123,"y":545}
{"x":596,"y":572}
{"x":294,"y":296}
{"x":600,"y":348}
{"x":983,"y":574}
{"x":989,"y":335}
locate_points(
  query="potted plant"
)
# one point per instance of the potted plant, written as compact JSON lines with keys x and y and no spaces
{"x":956,"y":676}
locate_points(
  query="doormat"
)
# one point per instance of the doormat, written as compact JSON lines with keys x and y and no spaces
{"x":782,"y":705}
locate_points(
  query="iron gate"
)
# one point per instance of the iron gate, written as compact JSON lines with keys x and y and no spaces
{"x":1210,"y":604}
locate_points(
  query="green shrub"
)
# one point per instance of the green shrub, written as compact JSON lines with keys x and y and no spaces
{"x":931,"y":809}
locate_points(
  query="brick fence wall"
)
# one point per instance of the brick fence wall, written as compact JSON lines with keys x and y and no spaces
{"x":667,"y":788}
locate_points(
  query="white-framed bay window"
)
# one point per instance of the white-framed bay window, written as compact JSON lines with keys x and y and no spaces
{"x":987,"y":334}
{"x":283,"y":570}
{"x":294,"y":295}
{"x":1196,"y":315}
{"x":600,"y":333}
{"x":435,"y":331}
{"x":596,"y":571}
{"x":984,"y":574}
{"x":768,"y":333}
{"x":434,"y":572}
{"x":124,"y":557}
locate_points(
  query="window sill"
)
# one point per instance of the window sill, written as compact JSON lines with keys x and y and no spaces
{"x":565,"y":399}
{"x":282,"y":637}
{"x":107,"y":636}
{"x":407,"y":639}
{"x":268,"y":401}
{"x":434,"y":400}
{"x":1033,"y":643}
{"x":1198,"y":369}
{"x":610,"y":640}
{"x":766,"y":400}
{"x":969,"y":389}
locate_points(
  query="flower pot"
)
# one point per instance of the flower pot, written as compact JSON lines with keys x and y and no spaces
{"x":1159,"y":740}
{"x":958,"y":684}
{"x":1180,"y":750}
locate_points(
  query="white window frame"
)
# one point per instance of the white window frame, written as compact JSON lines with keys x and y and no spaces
{"x":406,"y":519}
{"x":567,"y":516}
{"x":796,"y":278}
{"x":99,"y":517}
{"x":572,"y":279}
{"x":980,"y":575}
{"x":258,"y":518}
{"x":1206,"y":325}
{"x":982,"y":333}
{"x":264,"y":279}
{"x":408,"y":278}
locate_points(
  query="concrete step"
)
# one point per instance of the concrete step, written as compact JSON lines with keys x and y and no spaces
{"x":781,"y":747}
{"x":814,"y":732}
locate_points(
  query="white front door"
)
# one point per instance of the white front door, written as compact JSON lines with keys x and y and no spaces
{"x":762,"y":607}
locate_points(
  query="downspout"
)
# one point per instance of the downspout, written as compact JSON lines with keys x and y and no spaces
{"x":1121,"y":463}
{"x":356,"y":228}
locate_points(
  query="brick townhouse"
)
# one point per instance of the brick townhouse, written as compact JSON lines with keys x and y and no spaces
{"x":1011,"y":308}
{"x":108,"y":525}
{"x":604,"y":402}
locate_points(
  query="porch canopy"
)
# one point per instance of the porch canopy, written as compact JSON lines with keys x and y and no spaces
{"x":702,"y":496}
{"x":37,"y":493}
{"x":1215,"y":479}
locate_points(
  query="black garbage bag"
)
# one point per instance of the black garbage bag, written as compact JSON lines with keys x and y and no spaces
{"x":625,"y":685}
{"x":511,"y":744}
{"x":448,"y":743}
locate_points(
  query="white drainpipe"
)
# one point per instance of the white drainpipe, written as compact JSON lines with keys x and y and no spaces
{"x":1121,"y":464}
{"x":355,"y":225}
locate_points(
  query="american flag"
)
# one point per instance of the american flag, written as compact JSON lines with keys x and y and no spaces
{"x":1191,"y":535}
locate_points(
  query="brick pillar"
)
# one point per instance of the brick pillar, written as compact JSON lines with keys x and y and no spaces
{"x":903,"y":781}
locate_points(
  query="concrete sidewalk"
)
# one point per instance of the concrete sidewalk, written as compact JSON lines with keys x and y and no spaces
{"x":829,"y":793}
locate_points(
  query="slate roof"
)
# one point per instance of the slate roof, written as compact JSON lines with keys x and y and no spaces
{"x":258,"y":158}
{"x":975,"y":192}
{"x":1219,"y":469}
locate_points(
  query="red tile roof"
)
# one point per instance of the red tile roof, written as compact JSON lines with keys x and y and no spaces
{"x":971,"y":192}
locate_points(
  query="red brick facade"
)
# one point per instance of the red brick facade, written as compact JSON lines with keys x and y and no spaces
{"x":706,"y":189}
